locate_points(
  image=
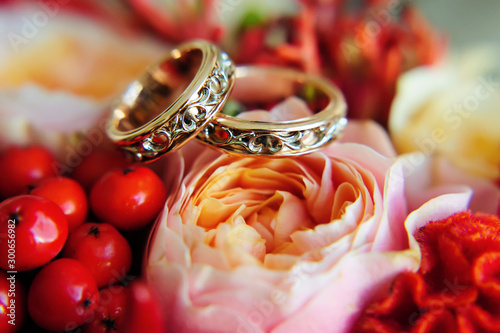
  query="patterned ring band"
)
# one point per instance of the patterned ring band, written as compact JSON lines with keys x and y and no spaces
{"x":172,"y":101}
{"x":244,"y":137}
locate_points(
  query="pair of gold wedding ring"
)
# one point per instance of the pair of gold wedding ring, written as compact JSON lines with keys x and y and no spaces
{"x":180,"y":98}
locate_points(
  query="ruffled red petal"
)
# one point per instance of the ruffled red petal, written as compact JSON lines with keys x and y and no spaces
{"x":450,"y":247}
{"x":477,"y":319}
{"x":457,"y":288}
{"x":406,"y":293}
{"x":376,"y":325}
{"x":487,"y":278}
{"x":435,"y":321}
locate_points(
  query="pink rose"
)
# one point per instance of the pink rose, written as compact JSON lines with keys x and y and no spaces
{"x":293,"y":244}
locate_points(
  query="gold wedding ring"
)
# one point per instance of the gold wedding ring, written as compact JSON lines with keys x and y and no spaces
{"x":179,"y":98}
{"x":285,"y":138}
{"x":172,"y":101}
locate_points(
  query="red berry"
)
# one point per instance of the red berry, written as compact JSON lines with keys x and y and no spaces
{"x":109,"y":315}
{"x":143,"y":312}
{"x":101,"y":248}
{"x":68,"y":194}
{"x":20,"y":167}
{"x":96,"y":164}
{"x":12,"y":303}
{"x":63,"y":296}
{"x":128,"y":199}
{"x":32,"y":231}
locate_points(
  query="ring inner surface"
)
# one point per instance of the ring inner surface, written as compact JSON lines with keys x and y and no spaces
{"x":265,"y":92}
{"x":156,"y":90}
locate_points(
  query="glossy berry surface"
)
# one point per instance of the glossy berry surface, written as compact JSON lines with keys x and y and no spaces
{"x":110,"y":313}
{"x":68,"y":195}
{"x":101,"y":248}
{"x":33,"y":231}
{"x":21,"y":167}
{"x":63,"y":296}
{"x":97,"y":164}
{"x":129,"y":198}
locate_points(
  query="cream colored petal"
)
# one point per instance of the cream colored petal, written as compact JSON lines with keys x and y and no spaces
{"x":57,"y":79}
{"x":451,"y":110}
{"x":291,"y":217}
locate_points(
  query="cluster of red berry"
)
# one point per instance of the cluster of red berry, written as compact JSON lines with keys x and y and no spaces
{"x":76,"y":270}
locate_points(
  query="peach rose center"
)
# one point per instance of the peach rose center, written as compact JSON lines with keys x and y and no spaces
{"x":270,"y":212}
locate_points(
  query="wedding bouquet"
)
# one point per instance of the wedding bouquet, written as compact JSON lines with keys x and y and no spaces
{"x":391,"y":228}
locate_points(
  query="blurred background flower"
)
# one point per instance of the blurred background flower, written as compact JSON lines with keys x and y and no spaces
{"x":61,"y":64}
{"x":363,"y":47}
{"x":452,"y":110}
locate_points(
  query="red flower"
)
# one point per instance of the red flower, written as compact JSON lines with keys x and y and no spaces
{"x":457,"y":288}
{"x":370,"y":51}
{"x":288,"y":42}
{"x":362,"y":49}
{"x":113,"y":13}
{"x":180,"y":21}
{"x":364,"y":52}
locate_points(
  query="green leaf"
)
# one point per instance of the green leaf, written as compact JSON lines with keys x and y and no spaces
{"x":252,"y":18}
{"x":232,"y":108}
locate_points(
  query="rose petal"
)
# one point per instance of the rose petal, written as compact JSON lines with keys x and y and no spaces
{"x":290,"y":109}
{"x":352,"y":285}
{"x":368,"y":133}
{"x":487,"y":275}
